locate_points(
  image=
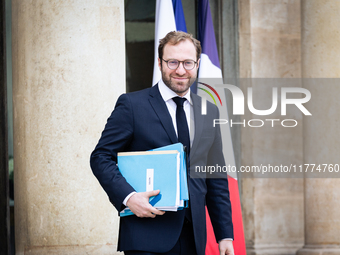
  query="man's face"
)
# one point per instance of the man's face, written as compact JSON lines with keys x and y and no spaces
{"x":180,"y":79}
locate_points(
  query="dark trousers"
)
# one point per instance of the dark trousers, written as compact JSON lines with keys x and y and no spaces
{"x":184,"y":246}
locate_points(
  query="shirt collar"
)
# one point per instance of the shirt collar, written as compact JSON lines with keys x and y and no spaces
{"x":168,"y":94}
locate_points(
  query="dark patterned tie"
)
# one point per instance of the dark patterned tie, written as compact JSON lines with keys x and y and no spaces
{"x":182,"y":124}
{"x":183,"y":137}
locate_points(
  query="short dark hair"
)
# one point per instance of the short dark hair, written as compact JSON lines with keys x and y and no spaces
{"x":175,"y":37}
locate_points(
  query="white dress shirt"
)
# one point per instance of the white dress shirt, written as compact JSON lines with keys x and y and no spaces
{"x":167,"y":95}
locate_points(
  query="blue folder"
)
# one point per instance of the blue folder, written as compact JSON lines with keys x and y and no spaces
{"x":184,"y":195}
{"x":162,"y":168}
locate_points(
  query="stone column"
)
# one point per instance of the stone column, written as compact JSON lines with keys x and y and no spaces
{"x":269,"y":41}
{"x":68,"y":70}
{"x":320,"y":59}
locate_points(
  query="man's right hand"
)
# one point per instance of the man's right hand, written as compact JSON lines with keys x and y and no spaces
{"x":139,"y":204}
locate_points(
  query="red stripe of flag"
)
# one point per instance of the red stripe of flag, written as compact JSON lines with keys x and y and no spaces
{"x":239,"y":243}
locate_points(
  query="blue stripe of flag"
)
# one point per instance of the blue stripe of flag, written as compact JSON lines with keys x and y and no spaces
{"x":206,"y":32}
{"x":179,"y":15}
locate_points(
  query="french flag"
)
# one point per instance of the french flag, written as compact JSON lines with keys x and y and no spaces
{"x":209,"y":72}
{"x":169,"y":17}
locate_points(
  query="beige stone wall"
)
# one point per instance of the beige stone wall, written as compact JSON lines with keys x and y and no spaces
{"x":320,"y":59}
{"x":68,"y":70}
{"x":270,"y":40}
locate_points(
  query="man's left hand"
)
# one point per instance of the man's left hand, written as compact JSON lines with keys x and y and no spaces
{"x":226,"y":247}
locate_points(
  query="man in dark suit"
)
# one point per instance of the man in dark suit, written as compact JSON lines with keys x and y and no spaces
{"x":155,"y":117}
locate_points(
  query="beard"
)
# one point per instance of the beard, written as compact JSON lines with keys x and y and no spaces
{"x":179,"y":87}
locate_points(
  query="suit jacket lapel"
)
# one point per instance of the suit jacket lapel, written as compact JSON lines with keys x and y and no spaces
{"x":198,"y":119}
{"x":162,"y":112}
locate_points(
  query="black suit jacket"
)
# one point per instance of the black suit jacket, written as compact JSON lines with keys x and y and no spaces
{"x":140,"y":122}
